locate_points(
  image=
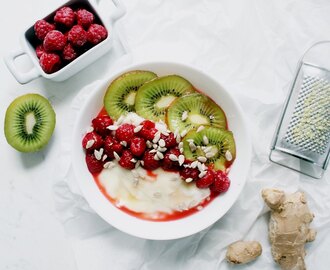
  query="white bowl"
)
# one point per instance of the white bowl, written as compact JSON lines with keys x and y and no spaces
{"x":181,"y":227}
{"x":27,"y":48}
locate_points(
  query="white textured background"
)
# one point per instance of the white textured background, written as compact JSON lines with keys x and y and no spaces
{"x":251,"y":47}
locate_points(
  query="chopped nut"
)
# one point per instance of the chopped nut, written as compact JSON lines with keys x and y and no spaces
{"x":89,"y":144}
{"x":117,"y":157}
{"x":157,"y":137}
{"x":138,"y":128}
{"x":200,"y":128}
{"x":181,"y":159}
{"x":192,"y":147}
{"x":98,"y":153}
{"x":123,"y":143}
{"x":188,"y":180}
{"x":201,"y":159}
{"x":228,"y":155}
{"x":184,"y":116}
{"x":112,"y":127}
{"x":108,"y":165}
{"x":205,"y":140}
{"x":183,"y":133}
{"x":173,"y":157}
{"x":161,"y":143}
{"x":160,"y":155}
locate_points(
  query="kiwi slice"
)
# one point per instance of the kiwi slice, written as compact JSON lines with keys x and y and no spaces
{"x":120,"y":96}
{"x":194,"y":110}
{"x":29,"y":123}
{"x":154,"y":97}
{"x":215,"y":145}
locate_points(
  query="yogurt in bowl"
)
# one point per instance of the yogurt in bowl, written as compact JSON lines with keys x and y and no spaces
{"x":132,"y":190}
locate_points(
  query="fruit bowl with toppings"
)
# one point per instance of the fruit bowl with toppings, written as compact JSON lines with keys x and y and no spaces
{"x":161,"y":150}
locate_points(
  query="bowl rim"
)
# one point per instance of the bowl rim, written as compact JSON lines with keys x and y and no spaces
{"x":153,"y":229}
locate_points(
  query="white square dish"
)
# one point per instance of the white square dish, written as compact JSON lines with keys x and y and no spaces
{"x":27,"y":40}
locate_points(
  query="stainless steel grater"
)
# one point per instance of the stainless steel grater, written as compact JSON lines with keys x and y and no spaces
{"x":302,"y":138}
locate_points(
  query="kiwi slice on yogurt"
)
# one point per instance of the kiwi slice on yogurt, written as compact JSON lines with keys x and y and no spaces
{"x":192,"y":111}
{"x":29,"y":123}
{"x":212,"y":146}
{"x":119,"y":98}
{"x":154,"y":97}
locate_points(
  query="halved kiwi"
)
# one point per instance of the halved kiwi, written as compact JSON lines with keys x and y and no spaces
{"x":154,"y":97}
{"x":216,"y":145}
{"x":189,"y":112}
{"x":120,"y":96}
{"x":29,"y":123}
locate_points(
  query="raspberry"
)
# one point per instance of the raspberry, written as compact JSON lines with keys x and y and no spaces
{"x":93,"y":165}
{"x":138,"y":146}
{"x":169,"y":164}
{"x":84,"y":18}
{"x":147,"y":133}
{"x":65,"y":16}
{"x":50,"y":62}
{"x":170,"y":141}
{"x":40,"y":50}
{"x":77,"y":36}
{"x":112,"y":145}
{"x":54,"y":41}
{"x":41,"y":28}
{"x":125,"y":133}
{"x":96,"y":33}
{"x":125,"y":160}
{"x":189,"y":173}
{"x":69,"y":53}
{"x":221,"y":182}
{"x":148,"y":130}
{"x":92,"y":141}
{"x":149,"y":162}
{"x":101,"y":123}
{"x":148,"y":124}
{"x":206,"y":180}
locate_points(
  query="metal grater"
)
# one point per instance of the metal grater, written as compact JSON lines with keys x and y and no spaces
{"x":302,"y":138}
{"x":309,"y":128}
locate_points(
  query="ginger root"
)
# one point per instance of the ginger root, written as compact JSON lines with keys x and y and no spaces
{"x":289,"y":227}
{"x":241,"y":252}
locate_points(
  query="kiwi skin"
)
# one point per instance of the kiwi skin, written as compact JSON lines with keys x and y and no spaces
{"x":15,"y":128}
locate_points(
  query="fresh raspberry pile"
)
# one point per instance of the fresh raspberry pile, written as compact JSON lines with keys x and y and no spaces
{"x":144,"y":145}
{"x":69,"y":34}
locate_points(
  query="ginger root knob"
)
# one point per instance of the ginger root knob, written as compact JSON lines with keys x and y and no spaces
{"x":241,"y":252}
{"x":289,"y":227}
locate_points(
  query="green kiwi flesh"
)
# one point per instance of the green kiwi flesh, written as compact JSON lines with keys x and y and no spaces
{"x":29,"y":123}
{"x":120,"y":96}
{"x":154,"y":97}
{"x":220,"y":146}
{"x":199,"y":110}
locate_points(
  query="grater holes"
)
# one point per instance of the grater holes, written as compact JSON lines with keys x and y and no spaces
{"x":309,"y":127}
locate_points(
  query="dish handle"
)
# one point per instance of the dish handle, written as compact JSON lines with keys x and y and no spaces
{"x":21,"y":77}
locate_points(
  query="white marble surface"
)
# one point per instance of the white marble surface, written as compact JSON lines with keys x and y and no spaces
{"x":272,"y":35}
